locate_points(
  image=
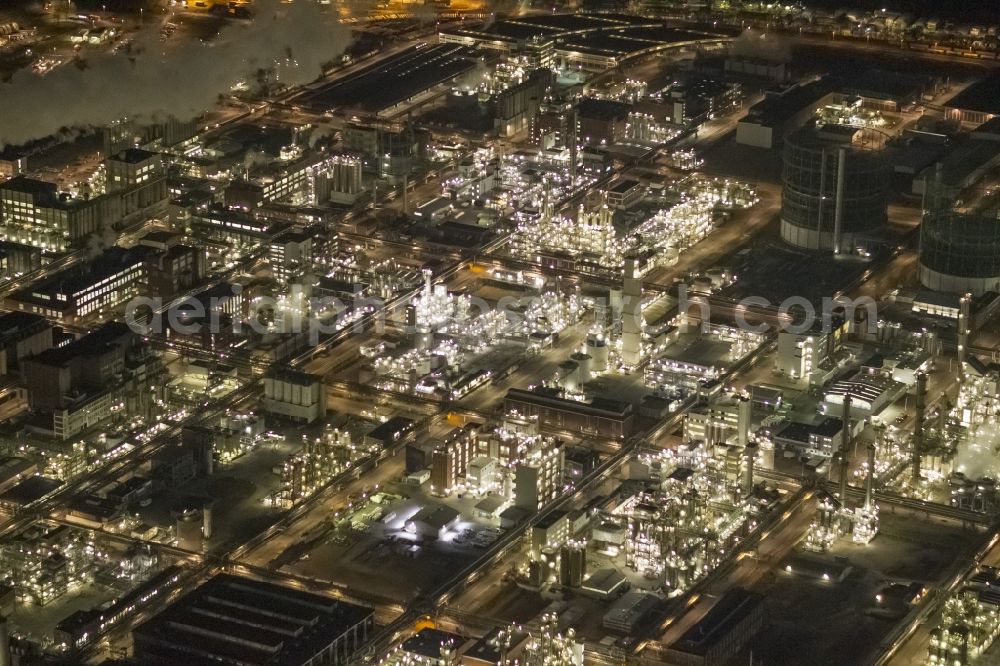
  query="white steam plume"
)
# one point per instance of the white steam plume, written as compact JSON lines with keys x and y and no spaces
{"x":159,"y":80}
{"x":767,"y":46}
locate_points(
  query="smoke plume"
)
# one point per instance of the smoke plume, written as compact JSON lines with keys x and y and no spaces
{"x":157,"y":80}
{"x":766,"y":46}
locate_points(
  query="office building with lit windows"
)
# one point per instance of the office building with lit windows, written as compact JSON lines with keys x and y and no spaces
{"x":79,"y":385}
{"x":802,"y":353}
{"x":107,"y":282}
{"x":138,"y":177}
{"x":34,"y":212}
{"x":538,"y":479}
{"x":450,"y":460}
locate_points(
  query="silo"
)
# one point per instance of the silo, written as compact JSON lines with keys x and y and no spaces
{"x":550,"y":564}
{"x":597,"y":349}
{"x":585,"y":363}
{"x":959,"y":249}
{"x":569,"y":375}
{"x":206,"y":520}
{"x":189,"y":529}
{"x":572,"y":565}
{"x":536,"y":573}
{"x":835,"y":183}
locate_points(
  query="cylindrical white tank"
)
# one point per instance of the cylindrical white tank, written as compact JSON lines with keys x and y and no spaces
{"x":584,"y":361}
{"x":597,"y":349}
{"x":425,"y":338}
{"x":206,"y":521}
{"x":569,"y":375}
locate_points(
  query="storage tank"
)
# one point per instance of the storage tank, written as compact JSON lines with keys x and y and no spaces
{"x":569,"y":375}
{"x":835,"y":183}
{"x":189,"y":529}
{"x":572,"y":565}
{"x":597,"y":349}
{"x":424,"y":338}
{"x":206,"y":520}
{"x":959,"y":249}
{"x":550,"y":564}
{"x":585,"y":365}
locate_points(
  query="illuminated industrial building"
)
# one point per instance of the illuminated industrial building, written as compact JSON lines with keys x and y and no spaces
{"x":722,"y":420}
{"x":320,"y":460}
{"x":294,"y":395}
{"x":92,"y":379}
{"x":538,"y":476}
{"x":33,"y":212}
{"x":969,"y":623}
{"x":451,"y":459}
{"x":695,"y":513}
{"x":104,"y":284}
{"x":805,"y":355}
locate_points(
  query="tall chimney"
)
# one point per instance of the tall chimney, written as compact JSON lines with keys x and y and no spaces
{"x":209,"y":452}
{"x":918,"y":427}
{"x":964,"y":305}
{"x":878,"y":425}
{"x":750,"y":456}
{"x":845,"y":443}
{"x":406,"y":193}
{"x":743,"y":416}
{"x":428,"y":287}
{"x":870,"y":480}
{"x":206,"y":521}
{"x":838,"y":211}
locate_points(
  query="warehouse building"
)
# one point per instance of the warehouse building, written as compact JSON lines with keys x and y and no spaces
{"x":724,"y":630}
{"x":236,"y":620}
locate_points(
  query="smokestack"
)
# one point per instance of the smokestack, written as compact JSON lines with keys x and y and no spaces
{"x":631,"y":313}
{"x":838,"y":214}
{"x":743,"y":416}
{"x":845,"y":442}
{"x":870,"y":481}
{"x":427,"y":282}
{"x":878,"y":425}
{"x":750,"y":455}
{"x":964,"y":306}
{"x":573,"y":157}
{"x":918,"y":426}
{"x":206,"y":521}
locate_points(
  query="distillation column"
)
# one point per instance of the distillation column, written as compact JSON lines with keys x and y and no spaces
{"x":964,"y":305}
{"x":870,"y":479}
{"x":845,"y":443}
{"x":918,"y":427}
{"x":750,"y":455}
{"x":631,"y":313}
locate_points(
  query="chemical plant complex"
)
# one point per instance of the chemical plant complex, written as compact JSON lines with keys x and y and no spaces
{"x":458,"y":334}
